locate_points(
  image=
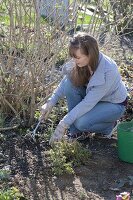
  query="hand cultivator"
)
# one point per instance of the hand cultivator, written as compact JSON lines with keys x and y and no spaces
{"x":32,"y":135}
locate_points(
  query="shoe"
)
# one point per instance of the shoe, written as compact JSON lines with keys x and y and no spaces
{"x":113,"y":131}
{"x":78,"y":136}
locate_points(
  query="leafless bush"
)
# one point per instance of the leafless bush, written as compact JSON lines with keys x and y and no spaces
{"x":29,"y":47}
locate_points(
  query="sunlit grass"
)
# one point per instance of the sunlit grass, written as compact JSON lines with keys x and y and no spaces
{"x":5,"y":20}
{"x":83,"y":19}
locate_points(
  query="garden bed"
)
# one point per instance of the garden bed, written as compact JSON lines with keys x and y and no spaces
{"x":26,"y":165}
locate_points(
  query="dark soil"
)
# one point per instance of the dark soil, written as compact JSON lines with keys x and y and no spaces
{"x":102,"y":178}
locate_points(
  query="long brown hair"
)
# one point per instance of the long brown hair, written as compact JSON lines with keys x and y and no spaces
{"x":88,"y":46}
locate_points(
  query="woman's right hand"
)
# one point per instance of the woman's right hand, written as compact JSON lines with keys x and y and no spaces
{"x":45,"y":110}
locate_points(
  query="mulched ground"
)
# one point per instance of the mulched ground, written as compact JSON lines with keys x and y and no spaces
{"x":102,"y":178}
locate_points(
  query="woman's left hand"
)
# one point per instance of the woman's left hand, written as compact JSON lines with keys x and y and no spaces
{"x":59,"y":133}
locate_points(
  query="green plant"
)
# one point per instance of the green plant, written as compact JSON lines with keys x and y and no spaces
{"x":4,"y":174}
{"x":82,"y":195}
{"x":37,"y":114}
{"x":2,"y":138}
{"x":83,"y":18}
{"x":65,"y":156}
{"x":61,"y":56}
{"x":11,"y":194}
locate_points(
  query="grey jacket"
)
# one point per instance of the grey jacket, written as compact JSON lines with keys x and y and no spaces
{"x":105,"y":85}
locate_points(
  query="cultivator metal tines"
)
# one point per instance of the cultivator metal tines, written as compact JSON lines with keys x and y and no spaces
{"x":32,"y":135}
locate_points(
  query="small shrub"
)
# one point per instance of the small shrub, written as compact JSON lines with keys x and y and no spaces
{"x":65,"y":156}
{"x":11,"y":194}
